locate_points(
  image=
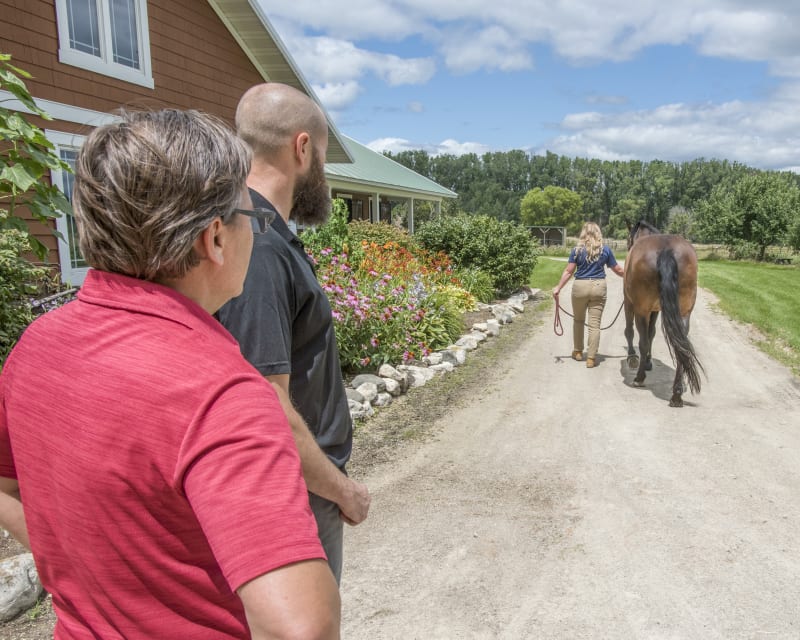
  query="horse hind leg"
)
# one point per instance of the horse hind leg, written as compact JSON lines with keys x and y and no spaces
{"x":677,"y":386}
{"x":644,"y":349}
{"x":650,"y":335}
{"x":633,"y":359}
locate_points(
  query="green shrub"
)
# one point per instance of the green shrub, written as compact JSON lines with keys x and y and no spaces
{"x":478,"y":283}
{"x":331,"y":237}
{"x":504,"y":250}
{"x":744,"y":250}
{"x":381,"y":233}
{"x":443,"y":324}
{"x":19,"y":281}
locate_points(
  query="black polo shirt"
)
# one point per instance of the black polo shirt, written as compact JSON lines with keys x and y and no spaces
{"x":284,"y":325}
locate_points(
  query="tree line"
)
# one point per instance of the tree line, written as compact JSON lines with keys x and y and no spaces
{"x":706,"y":200}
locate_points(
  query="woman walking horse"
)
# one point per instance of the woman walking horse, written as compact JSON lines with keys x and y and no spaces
{"x":661,"y":275}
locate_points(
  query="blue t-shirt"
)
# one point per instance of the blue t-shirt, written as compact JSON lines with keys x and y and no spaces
{"x":592,"y":270}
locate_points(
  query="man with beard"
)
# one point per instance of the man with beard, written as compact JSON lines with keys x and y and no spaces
{"x":283,"y":319}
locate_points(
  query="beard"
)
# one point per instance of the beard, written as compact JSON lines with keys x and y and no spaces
{"x":312,"y":198}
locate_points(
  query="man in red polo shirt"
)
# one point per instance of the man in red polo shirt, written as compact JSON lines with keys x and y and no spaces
{"x":160,"y":500}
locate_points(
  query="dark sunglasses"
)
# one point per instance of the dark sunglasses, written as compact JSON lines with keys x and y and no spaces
{"x":264,"y":217}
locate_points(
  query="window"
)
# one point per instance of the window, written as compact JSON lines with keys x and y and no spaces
{"x":109,"y":37}
{"x":73,"y":266}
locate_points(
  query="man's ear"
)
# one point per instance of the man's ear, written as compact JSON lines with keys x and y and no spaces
{"x":302,"y":149}
{"x":210,"y":242}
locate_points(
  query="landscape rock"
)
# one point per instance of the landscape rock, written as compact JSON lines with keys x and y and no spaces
{"x":444,"y":367}
{"x":19,"y":586}
{"x":432,"y":359}
{"x":369,"y":378}
{"x":369,"y":390}
{"x":393,"y":387}
{"x":467,"y":342}
{"x":383,"y":399}
{"x":354,"y":395}
{"x":454,"y":355}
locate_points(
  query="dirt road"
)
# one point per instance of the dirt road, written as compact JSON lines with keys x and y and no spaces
{"x":555,"y":501}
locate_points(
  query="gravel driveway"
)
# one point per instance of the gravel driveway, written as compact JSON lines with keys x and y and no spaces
{"x":553,"y":501}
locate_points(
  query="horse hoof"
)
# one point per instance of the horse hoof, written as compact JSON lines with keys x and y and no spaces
{"x":638,"y":383}
{"x":676,"y":401}
{"x":633,"y":362}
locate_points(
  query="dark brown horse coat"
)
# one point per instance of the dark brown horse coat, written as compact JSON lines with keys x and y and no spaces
{"x":661,"y":277}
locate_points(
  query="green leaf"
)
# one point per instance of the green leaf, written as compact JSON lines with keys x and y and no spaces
{"x":38,"y":248}
{"x":45,"y":210}
{"x":18,"y":176}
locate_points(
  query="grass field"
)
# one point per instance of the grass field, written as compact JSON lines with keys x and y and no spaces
{"x":763,"y":295}
{"x":547,"y":272}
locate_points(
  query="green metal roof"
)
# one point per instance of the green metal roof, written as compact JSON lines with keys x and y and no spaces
{"x":373,"y":169}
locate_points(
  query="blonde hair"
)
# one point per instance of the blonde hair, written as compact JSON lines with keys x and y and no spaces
{"x":147,"y":186}
{"x":591,"y":241}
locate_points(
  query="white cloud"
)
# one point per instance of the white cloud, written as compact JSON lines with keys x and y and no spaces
{"x":451,"y":147}
{"x":353,"y":19}
{"x":578,"y":30}
{"x":329,"y":60}
{"x":595,"y":98}
{"x":490,"y":48}
{"x":339,"y":95}
{"x":765,"y":134}
{"x":416,"y":107}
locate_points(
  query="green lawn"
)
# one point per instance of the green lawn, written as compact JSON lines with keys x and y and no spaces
{"x":547,"y":273}
{"x":766,"y":296}
{"x":763,"y":295}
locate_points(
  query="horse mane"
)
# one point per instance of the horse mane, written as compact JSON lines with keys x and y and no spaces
{"x":643,"y":224}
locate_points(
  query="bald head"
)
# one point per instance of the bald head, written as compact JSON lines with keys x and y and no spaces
{"x":270,"y":115}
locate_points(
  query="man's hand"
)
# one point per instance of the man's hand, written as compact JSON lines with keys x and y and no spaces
{"x":354,"y":506}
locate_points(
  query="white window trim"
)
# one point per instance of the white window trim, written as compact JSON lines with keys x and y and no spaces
{"x":69,"y":274}
{"x":105,"y":66}
{"x":59,"y":110}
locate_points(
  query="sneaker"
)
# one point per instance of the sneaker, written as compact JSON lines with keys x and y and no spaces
{"x":577,"y":355}
{"x":589,"y":363}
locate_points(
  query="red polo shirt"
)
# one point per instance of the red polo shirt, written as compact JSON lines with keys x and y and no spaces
{"x":157,"y":470}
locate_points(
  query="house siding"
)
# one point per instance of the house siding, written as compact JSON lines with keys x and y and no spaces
{"x":196,"y":64}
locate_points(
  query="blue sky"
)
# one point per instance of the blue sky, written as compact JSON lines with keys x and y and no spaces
{"x":608,"y":79}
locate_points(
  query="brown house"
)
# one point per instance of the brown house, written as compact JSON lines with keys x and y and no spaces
{"x":89,"y":57}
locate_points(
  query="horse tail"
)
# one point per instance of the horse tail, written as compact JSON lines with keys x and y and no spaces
{"x":675,"y":331}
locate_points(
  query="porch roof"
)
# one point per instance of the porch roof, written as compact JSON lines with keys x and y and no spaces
{"x":373,"y":169}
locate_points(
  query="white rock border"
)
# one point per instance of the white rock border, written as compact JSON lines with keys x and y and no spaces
{"x":368,"y":391}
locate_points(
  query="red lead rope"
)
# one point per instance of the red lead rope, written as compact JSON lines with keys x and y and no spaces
{"x":558,"y":328}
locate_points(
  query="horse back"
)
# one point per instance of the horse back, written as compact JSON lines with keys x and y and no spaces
{"x":641,"y":284}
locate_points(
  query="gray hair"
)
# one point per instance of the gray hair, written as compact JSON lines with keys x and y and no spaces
{"x":147,"y":186}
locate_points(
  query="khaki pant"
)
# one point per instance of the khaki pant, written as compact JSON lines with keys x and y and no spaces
{"x":588,"y":295}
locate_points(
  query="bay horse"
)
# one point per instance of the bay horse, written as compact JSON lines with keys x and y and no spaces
{"x":661,"y":276}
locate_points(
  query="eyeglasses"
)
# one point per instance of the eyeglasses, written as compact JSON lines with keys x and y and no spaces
{"x":264,"y":217}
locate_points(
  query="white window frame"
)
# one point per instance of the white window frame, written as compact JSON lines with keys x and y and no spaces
{"x":104,"y":64}
{"x":73,"y":276}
